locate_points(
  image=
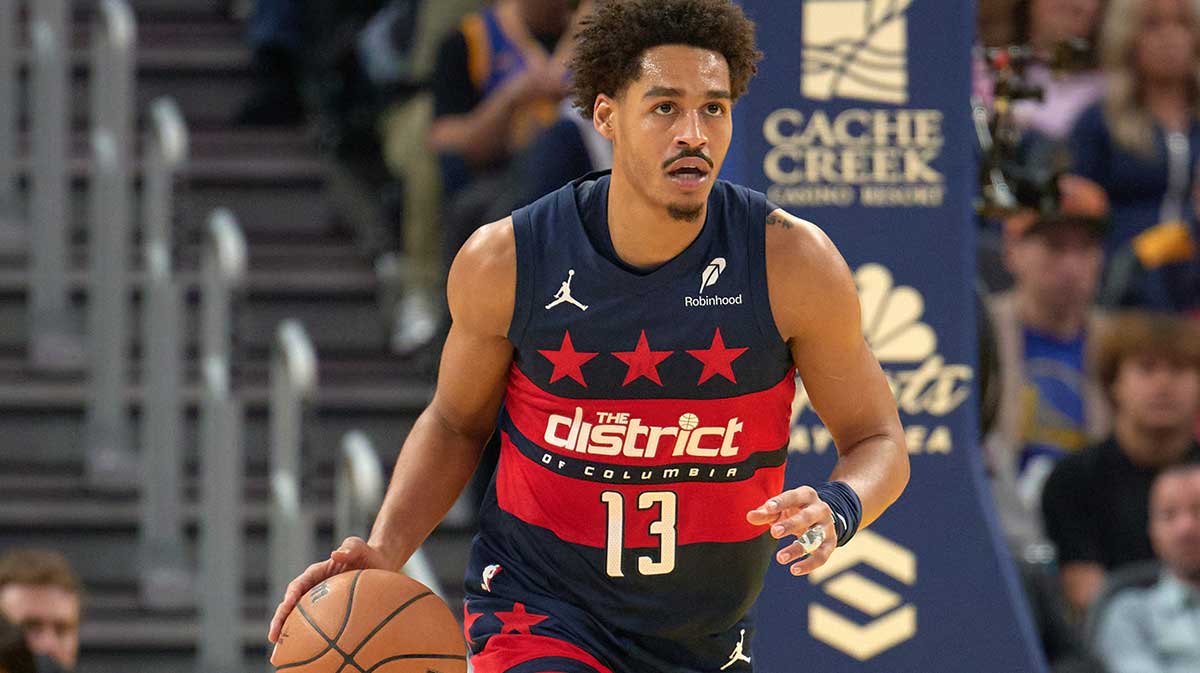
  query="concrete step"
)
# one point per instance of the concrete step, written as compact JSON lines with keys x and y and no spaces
{"x":203,"y":62}
{"x":338,"y":308}
{"x":271,"y":188}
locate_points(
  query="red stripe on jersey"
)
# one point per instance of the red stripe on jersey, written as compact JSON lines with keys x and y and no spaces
{"x":504,"y":652}
{"x":573,"y":509}
{"x":652,"y":432}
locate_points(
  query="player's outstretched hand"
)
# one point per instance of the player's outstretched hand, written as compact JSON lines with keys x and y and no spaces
{"x":354,"y":554}
{"x":793,"y":513}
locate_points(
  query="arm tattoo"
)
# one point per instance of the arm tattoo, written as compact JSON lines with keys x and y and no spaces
{"x":774,"y":220}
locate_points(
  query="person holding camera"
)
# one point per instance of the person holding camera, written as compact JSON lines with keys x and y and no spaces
{"x":1141,"y":142}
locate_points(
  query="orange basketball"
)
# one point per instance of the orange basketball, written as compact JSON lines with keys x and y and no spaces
{"x":370,"y":620}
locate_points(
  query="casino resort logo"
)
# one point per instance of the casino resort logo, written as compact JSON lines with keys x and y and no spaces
{"x":890,"y":620}
{"x":856,"y":49}
{"x":876,"y":153}
{"x":927,"y":389}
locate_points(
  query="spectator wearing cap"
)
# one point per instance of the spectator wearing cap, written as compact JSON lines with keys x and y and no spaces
{"x":40,"y":593}
{"x":1049,"y":408}
{"x":1141,"y":141}
{"x":1157,"y":629}
{"x":1095,"y":502}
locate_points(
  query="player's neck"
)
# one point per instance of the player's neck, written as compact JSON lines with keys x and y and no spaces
{"x":644,"y":235}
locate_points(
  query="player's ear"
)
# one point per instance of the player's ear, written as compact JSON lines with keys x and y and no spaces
{"x":603,"y":116}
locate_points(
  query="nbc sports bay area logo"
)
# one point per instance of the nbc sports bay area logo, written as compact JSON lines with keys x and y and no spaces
{"x":856,"y":49}
{"x":891,"y":620}
{"x":925,"y":386}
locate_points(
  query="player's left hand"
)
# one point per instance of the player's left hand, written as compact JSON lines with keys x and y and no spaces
{"x":792,"y":513}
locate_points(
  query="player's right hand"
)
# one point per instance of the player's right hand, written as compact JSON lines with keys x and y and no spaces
{"x":354,"y":554}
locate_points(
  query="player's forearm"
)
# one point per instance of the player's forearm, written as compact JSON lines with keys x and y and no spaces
{"x":432,"y":468}
{"x":877,"y":469}
{"x":480,"y":136}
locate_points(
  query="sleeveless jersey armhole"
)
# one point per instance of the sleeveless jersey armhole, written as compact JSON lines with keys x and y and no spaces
{"x":523,"y":299}
{"x":756,"y":247}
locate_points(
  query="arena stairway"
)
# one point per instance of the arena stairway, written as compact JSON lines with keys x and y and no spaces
{"x":305,"y":263}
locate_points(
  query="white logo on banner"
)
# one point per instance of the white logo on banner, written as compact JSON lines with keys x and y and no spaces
{"x":856,"y":49}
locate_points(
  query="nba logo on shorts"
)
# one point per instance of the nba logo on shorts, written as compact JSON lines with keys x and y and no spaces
{"x":856,"y":49}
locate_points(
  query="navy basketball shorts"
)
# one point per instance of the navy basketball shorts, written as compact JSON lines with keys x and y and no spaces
{"x":515,"y":637}
{"x":538,"y":634}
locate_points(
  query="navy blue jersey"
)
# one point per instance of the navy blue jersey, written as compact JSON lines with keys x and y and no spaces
{"x":646,"y":413}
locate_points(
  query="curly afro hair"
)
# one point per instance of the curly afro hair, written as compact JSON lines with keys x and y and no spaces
{"x":612,"y":40}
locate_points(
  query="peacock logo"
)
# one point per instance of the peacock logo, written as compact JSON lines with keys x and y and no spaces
{"x":856,"y":49}
{"x":907,"y":348}
{"x":892,"y":317}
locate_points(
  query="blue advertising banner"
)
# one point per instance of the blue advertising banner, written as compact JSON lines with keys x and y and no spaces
{"x":859,"y":121}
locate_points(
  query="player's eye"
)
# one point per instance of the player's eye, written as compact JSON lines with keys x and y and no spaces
{"x":664,"y":108}
{"x":715,"y":109}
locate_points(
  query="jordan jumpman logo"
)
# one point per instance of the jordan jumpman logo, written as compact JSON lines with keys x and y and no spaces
{"x":738,"y":654}
{"x":563,"y":296}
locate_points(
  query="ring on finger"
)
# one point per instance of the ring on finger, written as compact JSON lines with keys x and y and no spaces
{"x":812,"y":538}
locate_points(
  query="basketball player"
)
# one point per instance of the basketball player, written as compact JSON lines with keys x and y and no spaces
{"x":638,"y":497}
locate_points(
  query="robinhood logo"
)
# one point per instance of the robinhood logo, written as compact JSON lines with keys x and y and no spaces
{"x":856,"y":49}
{"x":890,"y":622}
{"x":906,"y":346}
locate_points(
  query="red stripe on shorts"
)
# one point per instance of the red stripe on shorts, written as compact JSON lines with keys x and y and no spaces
{"x":505,"y":651}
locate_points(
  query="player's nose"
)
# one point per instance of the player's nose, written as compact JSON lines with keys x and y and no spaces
{"x":691,"y":132}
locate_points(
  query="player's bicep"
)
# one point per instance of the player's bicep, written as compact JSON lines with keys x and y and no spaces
{"x":815,"y":304}
{"x":841,"y":376}
{"x":477,"y":354}
{"x":471,"y":381}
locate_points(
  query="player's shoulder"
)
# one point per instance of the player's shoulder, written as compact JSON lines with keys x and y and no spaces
{"x":806,"y":275}
{"x":799,"y":249}
{"x":481,"y":287}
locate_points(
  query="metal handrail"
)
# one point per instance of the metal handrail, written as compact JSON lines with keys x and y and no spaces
{"x":359,"y":487}
{"x":293,"y":383}
{"x":53,"y":345}
{"x":357,"y":496}
{"x":161,"y":437}
{"x":222,"y":271}
{"x":290,"y":535}
{"x":114,"y":39}
{"x":221,"y":560}
{"x":168,"y":147}
{"x":110,"y":455}
{"x":8,"y":104}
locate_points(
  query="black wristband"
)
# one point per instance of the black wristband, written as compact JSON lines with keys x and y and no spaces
{"x":846,"y":506}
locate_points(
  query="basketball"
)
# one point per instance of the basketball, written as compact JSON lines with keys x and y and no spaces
{"x":370,"y":620}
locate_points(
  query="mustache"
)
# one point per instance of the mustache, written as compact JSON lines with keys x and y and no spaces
{"x":688,"y":154}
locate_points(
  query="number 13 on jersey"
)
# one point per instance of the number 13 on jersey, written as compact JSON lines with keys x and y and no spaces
{"x":663,"y":528}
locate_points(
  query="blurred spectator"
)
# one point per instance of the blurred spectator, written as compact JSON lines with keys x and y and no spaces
{"x":1049,"y":408}
{"x":40,"y":593}
{"x":1160,"y":268}
{"x":1095,"y":502}
{"x":405,"y":124}
{"x":1141,"y":141}
{"x":276,"y":36}
{"x":1069,"y":81}
{"x":497,"y":85}
{"x":1156,"y":630}
{"x":14,"y":653}
{"x":995,"y":22}
{"x":497,"y":81}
